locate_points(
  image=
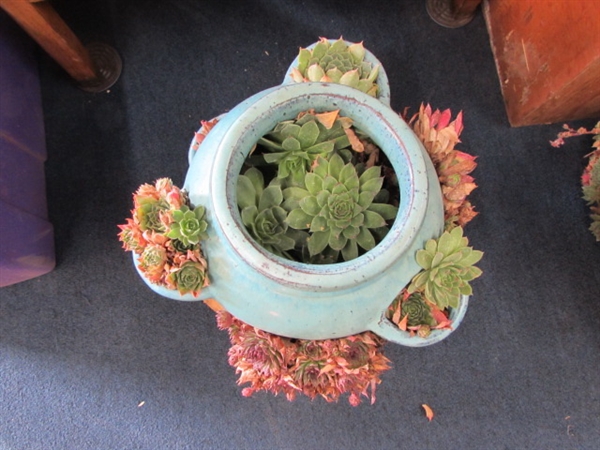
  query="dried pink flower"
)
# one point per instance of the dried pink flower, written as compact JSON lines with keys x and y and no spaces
{"x":440,"y":135}
{"x":327,"y":368}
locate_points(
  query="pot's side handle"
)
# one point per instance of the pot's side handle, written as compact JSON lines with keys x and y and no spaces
{"x":195,"y":145}
{"x":205,"y":294}
{"x":386,"y":329}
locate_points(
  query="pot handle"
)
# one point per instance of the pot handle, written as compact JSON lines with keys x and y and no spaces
{"x":386,"y":329}
{"x":194,"y":144}
{"x":205,"y":294}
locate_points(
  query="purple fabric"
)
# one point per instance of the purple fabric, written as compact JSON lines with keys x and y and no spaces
{"x":26,"y":236}
{"x":21,"y":116}
{"x":26,"y":245}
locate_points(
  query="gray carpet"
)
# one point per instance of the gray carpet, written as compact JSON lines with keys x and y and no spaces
{"x":90,"y":358}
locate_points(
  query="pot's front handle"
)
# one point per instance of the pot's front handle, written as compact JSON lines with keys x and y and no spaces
{"x":386,"y":329}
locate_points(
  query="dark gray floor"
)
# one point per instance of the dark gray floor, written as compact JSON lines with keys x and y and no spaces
{"x":83,"y":346}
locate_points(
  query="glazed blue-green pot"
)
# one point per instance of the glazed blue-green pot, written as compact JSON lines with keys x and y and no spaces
{"x":301,"y":300}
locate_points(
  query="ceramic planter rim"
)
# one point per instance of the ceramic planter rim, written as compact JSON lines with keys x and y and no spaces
{"x":258,"y":120}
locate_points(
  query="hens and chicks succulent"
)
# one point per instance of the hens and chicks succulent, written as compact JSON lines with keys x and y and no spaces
{"x":322,"y":201}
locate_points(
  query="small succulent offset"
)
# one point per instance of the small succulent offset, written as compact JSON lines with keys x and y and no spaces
{"x":447,"y":269}
{"x":189,"y":278}
{"x":417,"y":310}
{"x":188,"y":226}
{"x":337,"y":62}
{"x":262,"y":214}
{"x":338,"y":208}
{"x":148,"y":213}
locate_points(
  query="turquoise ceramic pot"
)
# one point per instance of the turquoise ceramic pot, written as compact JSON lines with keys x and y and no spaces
{"x":301,"y":300}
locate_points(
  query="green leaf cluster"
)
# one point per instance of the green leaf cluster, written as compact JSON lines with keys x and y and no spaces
{"x":448,"y":266}
{"x":340,"y":63}
{"x":309,"y":195}
{"x":188,"y":226}
{"x":337,"y":207}
{"x":262,"y":214}
{"x":294,"y":145}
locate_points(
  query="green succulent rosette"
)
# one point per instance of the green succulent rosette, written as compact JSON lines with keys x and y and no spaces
{"x":448,"y":266}
{"x":294,"y":145}
{"x":337,"y":207}
{"x":417,"y":310}
{"x":188,"y":226}
{"x":337,"y":62}
{"x":262,"y":214}
{"x":189,"y":278}
{"x":148,"y":213}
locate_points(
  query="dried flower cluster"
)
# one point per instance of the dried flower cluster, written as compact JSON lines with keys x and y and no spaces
{"x":165,"y":232}
{"x":328,"y":368}
{"x":590,"y":179}
{"x":439,"y":136}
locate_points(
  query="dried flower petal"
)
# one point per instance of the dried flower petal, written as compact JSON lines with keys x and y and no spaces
{"x":327,"y":368}
{"x":428,"y":412}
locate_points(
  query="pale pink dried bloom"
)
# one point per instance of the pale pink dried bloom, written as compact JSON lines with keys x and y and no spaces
{"x":132,"y":237}
{"x":327,"y":368}
{"x":440,"y":135}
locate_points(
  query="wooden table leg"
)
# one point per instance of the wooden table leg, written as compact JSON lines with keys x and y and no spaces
{"x":95,"y":69}
{"x":452,"y":13}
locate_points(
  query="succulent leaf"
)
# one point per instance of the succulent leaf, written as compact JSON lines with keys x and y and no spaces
{"x":246,"y":193}
{"x":350,"y":78}
{"x":357,"y":51}
{"x":315,"y":73}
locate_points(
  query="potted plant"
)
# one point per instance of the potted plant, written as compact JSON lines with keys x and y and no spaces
{"x":343,"y":223}
{"x":590,"y":179}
